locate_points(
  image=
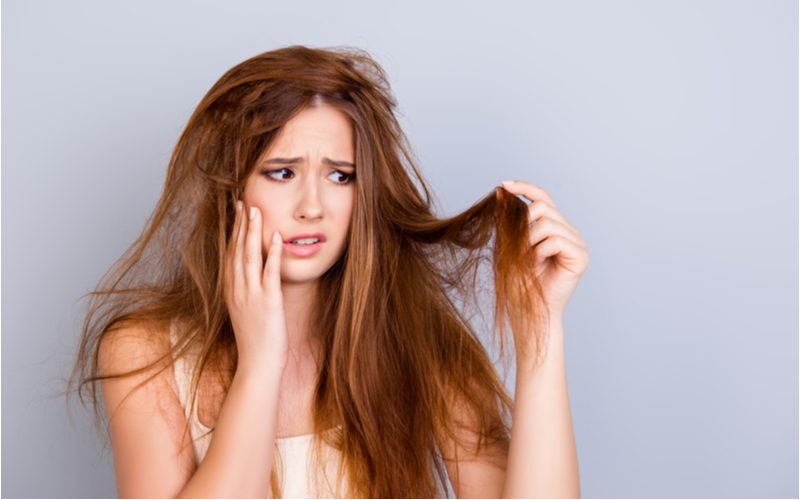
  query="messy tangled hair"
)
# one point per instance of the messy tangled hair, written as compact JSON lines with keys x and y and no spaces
{"x":398,"y":356}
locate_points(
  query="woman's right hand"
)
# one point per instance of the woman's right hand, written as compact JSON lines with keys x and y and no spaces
{"x":253,"y":295}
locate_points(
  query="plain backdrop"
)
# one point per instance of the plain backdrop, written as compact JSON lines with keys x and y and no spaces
{"x":666,"y":131}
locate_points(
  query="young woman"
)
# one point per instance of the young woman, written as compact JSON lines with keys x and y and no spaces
{"x":290,"y":309}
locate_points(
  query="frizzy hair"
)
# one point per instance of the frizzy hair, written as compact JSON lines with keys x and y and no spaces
{"x":400,"y":365}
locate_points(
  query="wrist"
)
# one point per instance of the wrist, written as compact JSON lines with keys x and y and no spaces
{"x":552,"y":345}
{"x":261,"y":369}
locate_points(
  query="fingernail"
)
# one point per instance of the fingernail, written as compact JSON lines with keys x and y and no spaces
{"x":507,"y":183}
{"x":252,"y":213}
{"x":276,"y":237}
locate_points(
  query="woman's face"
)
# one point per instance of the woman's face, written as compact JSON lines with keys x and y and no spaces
{"x":304,"y":184}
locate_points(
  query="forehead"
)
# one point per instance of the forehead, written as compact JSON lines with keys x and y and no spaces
{"x":322,"y":127}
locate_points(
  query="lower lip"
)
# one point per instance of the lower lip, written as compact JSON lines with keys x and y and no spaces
{"x":303,"y":250}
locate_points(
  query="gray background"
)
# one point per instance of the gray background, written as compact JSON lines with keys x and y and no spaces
{"x":667,"y":132}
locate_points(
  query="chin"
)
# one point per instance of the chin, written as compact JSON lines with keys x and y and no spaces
{"x":298,"y":281}
{"x":301,"y":272}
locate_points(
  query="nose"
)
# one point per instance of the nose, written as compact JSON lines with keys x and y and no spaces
{"x":309,"y":208}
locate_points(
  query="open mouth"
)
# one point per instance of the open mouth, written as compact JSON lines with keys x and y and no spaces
{"x":303,"y":247}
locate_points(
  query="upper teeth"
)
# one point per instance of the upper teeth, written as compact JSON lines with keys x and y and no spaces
{"x":305,"y":241}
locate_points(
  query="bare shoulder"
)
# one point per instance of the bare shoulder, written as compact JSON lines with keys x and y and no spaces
{"x":145,"y":417}
{"x":128,"y":343}
{"x":128,"y":347}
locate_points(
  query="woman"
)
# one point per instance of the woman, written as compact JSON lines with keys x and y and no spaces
{"x":293,"y":293}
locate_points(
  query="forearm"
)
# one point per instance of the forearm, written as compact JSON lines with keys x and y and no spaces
{"x":543,"y":460}
{"x":239,"y":458}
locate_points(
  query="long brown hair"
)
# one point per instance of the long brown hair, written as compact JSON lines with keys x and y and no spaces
{"x":398,"y":355}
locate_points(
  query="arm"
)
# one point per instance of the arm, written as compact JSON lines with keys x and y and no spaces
{"x":146,"y":423}
{"x":146,"y":428}
{"x":542,"y":458}
{"x":543,"y":461}
{"x":239,"y":459}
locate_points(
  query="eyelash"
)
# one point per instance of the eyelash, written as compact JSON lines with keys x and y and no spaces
{"x":267,"y":174}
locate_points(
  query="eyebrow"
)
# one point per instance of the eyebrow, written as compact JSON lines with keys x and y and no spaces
{"x":326,"y":160}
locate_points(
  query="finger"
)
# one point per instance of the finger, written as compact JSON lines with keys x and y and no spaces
{"x":569,"y":254}
{"x":238,"y":253}
{"x":272,"y":268}
{"x":545,"y":228}
{"x":529,"y":191}
{"x":252,"y":249}
{"x":542,"y":210}
{"x":230,"y":246}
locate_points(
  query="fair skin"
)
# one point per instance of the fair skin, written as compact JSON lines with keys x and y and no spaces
{"x":269,"y":303}
{"x":312,"y":200}
{"x":308,"y":195}
{"x":302,"y":184}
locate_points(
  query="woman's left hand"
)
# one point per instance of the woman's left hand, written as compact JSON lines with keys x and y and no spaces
{"x":562,"y":255}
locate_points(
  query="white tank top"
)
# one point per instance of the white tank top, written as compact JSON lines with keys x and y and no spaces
{"x":298,"y":476}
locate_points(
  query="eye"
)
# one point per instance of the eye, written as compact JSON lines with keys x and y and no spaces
{"x":273,"y":174}
{"x":279,"y":175}
{"x":345,"y":178}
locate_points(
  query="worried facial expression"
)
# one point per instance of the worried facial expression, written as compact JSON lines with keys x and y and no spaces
{"x":304,"y":184}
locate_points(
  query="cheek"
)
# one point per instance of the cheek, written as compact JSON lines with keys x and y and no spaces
{"x":270,"y":220}
{"x":348,"y":200}
{"x":262,"y":201}
{"x":344,"y":213}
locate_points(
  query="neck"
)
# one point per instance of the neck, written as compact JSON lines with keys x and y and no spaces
{"x":297,"y":299}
